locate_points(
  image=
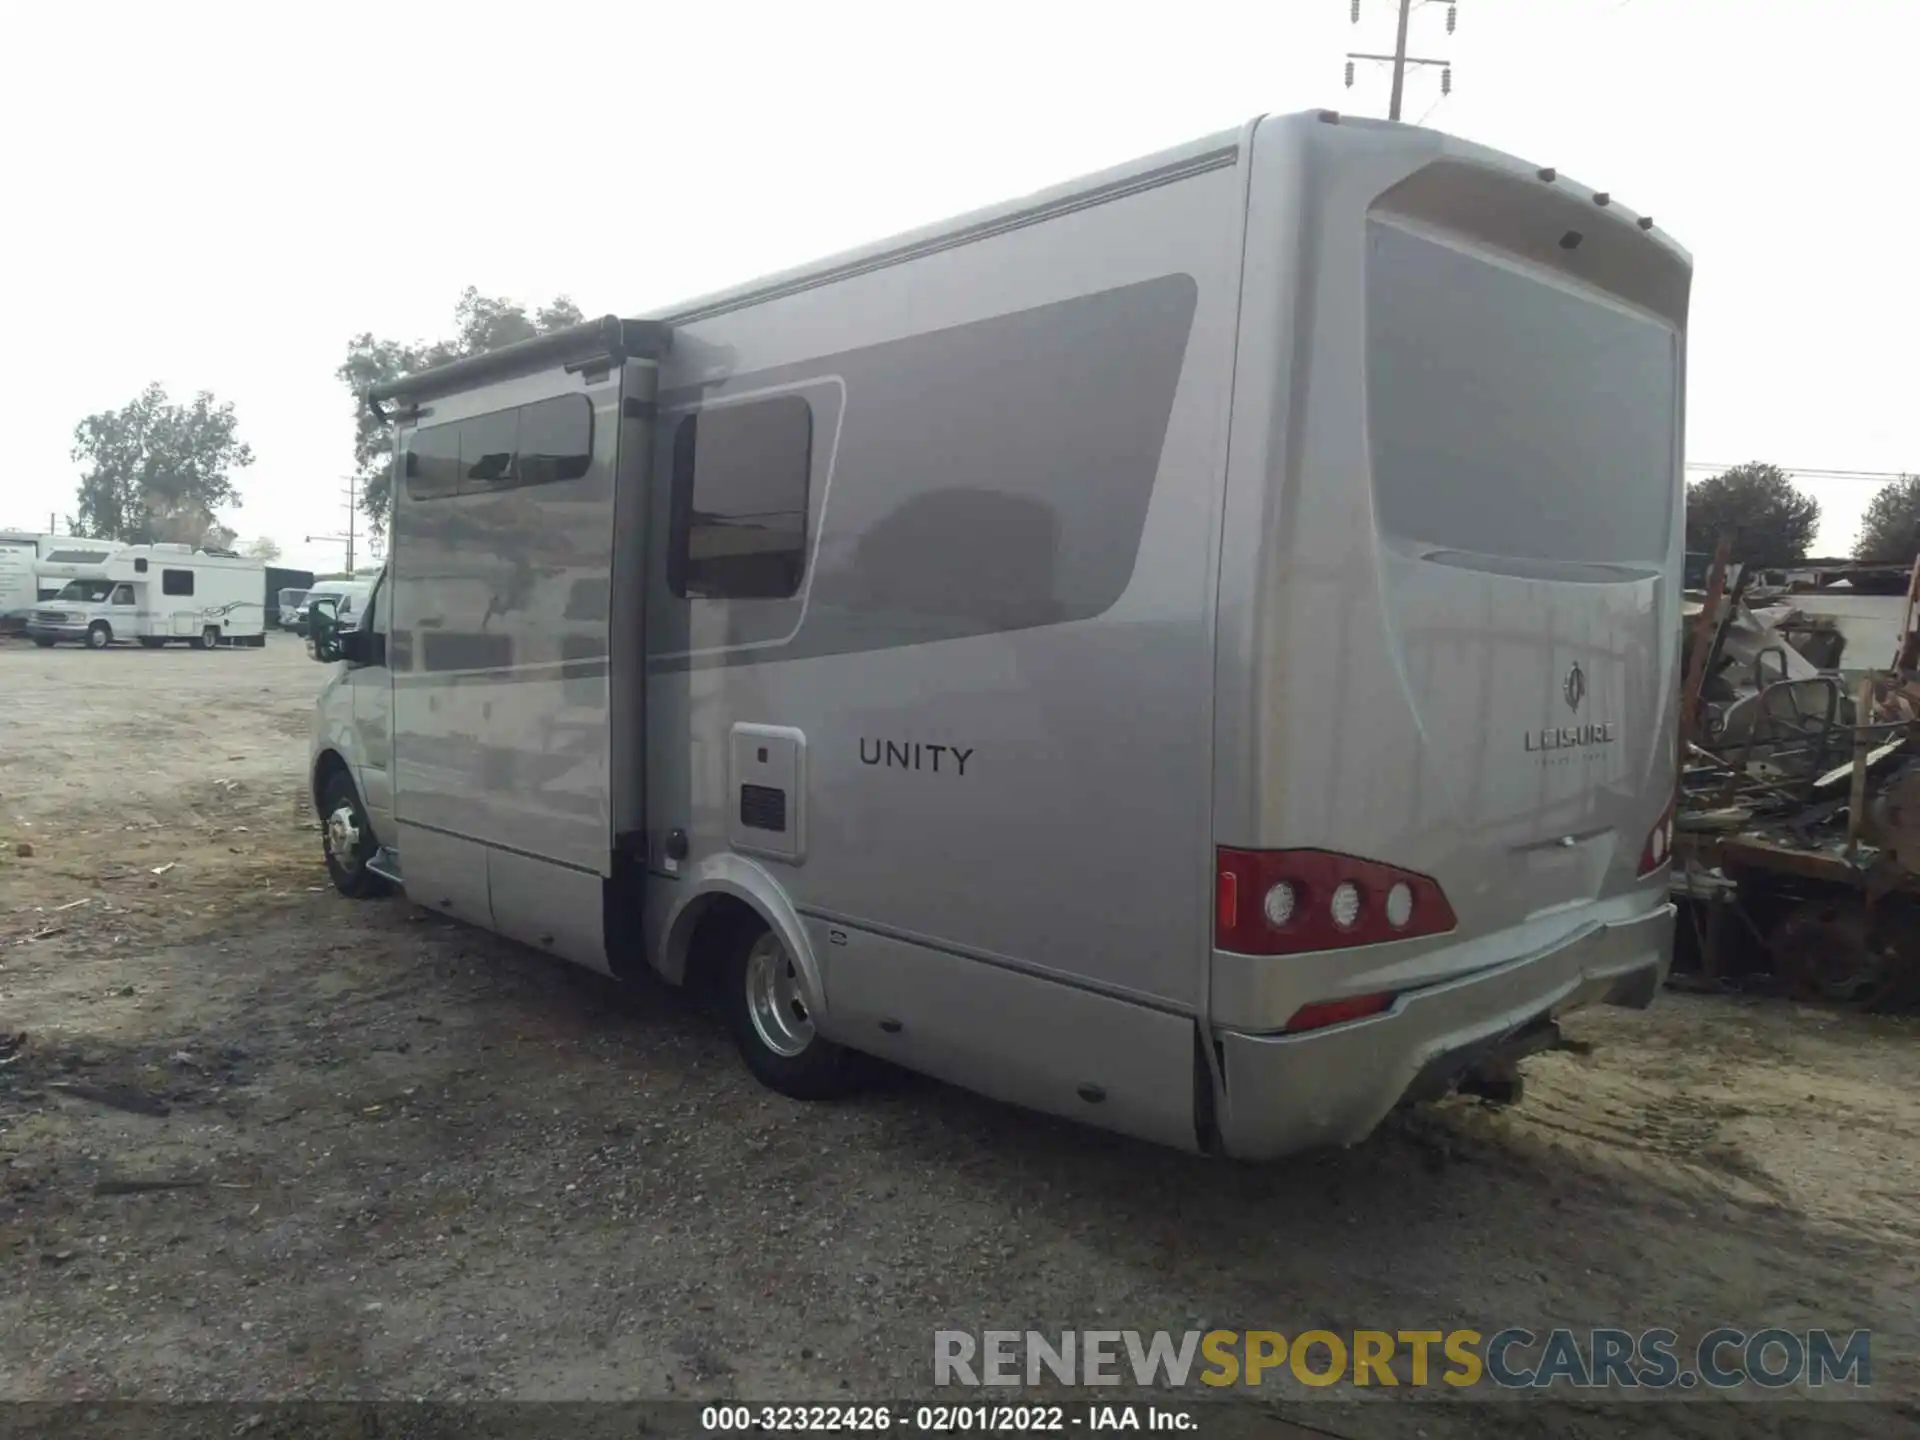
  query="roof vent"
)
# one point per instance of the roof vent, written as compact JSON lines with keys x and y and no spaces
{"x":1602,"y":198}
{"x":1545,"y":172}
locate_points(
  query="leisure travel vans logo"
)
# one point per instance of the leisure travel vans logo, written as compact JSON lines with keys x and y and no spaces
{"x":1576,"y":687}
{"x":1571,"y":737}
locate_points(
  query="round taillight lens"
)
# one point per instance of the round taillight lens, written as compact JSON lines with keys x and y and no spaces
{"x":1278,"y":905}
{"x":1400,"y":905}
{"x":1345,"y":904}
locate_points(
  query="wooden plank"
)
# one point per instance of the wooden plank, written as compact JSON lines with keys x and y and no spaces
{"x":1703,"y":634}
{"x":1750,"y":853}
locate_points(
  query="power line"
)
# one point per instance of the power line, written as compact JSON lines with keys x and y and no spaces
{"x":1808,"y":472}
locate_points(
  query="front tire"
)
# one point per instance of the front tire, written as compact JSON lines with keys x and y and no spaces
{"x":347,"y":839}
{"x":770,"y":1023}
{"x":99,"y":635}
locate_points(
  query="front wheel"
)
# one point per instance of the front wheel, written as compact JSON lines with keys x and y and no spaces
{"x":347,"y":839}
{"x":99,"y":635}
{"x":768,"y":1015}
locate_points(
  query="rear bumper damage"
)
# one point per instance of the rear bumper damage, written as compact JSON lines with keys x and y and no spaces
{"x":1286,"y":1093}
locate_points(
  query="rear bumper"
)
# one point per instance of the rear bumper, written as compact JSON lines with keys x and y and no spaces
{"x":1295,"y":1092}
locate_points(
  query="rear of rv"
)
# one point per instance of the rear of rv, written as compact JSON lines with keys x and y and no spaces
{"x":1448,"y":634}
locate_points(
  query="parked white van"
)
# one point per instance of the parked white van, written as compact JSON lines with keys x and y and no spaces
{"x":346,"y":597}
{"x":153,"y":594}
{"x":1196,"y":650}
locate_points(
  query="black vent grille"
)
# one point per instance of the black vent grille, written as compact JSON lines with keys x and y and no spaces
{"x":763,"y":808}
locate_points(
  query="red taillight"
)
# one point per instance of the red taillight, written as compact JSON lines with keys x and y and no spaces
{"x":1337,"y":1012}
{"x":1226,"y":900}
{"x":1279,"y":902}
{"x":1658,"y":850}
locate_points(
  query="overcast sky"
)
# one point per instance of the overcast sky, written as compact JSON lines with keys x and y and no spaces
{"x":220,"y":196}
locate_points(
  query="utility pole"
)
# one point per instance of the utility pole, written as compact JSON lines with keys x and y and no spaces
{"x":353,"y":518}
{"x":1399,"y":59}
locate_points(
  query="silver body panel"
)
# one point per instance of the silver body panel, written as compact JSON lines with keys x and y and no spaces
{"x":1093,"y":581}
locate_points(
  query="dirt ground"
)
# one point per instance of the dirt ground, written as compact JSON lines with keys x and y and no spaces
{"x":412,"y":1160}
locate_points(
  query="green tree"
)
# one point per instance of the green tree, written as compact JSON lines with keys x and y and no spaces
{"x":481,"y":323}
{"x":155,"y":470}
{"x":1770,"y":521}
{"x":1890,"y":530}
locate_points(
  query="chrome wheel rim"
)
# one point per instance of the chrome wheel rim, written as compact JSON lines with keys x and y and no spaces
{"x":774,"y":1000}
{"x":343,"y":836}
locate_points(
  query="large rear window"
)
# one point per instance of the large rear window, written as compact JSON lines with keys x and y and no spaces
{"x":1512,"y":417}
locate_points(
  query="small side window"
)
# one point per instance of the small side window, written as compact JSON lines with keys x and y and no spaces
{"x":122,"y":595}
{"x":176,"y":582}
{"x":432,"y":463}
{"x":555,"y":440}
{"x":486,"y":451}
{"x":740,"y":478}
{"x":140,"y":566}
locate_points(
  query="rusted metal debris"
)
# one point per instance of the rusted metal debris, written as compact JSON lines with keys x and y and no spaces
{"x":1797,"y":845}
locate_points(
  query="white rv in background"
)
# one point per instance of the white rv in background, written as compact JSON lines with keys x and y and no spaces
{"x":152,"y":594}
{"x":17,"y":557}
{"x":22,"y":553}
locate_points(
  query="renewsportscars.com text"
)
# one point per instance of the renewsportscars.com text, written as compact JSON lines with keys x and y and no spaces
{"x":1511,"y":1358}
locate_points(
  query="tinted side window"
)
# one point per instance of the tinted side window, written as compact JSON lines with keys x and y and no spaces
{"x":433,"y":462}
{"x":556,"y":439}
{"x":122,"y":595}
{"x":486,"y":451}
{"x":740,"y":476}
{"x":176,"y":582}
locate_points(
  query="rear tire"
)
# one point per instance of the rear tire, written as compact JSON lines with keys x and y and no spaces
{"x":761,"y":997}
{"x":347,"y":839}
{"x":209,"y":638}
{"x":99,"y":635}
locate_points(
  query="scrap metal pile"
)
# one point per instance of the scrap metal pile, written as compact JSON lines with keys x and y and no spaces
{"x":1797,"y":836}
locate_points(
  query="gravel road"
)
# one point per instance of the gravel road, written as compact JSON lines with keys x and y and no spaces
{"x":260,"y":1142}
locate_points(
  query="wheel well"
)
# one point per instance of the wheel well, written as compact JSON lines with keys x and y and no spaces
{"x":324,"y":769}
{"x":707,"y":934}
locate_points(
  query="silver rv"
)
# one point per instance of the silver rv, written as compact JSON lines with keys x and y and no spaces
{"x":1194,"y":650}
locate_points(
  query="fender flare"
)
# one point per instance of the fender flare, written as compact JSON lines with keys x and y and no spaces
{"x":744,"y":880}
